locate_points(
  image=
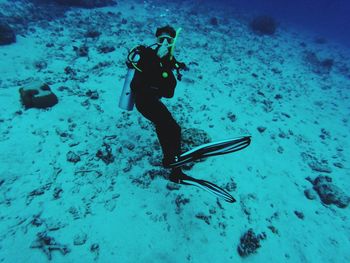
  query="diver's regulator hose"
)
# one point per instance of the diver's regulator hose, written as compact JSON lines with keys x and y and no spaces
{"x":133,"y":58}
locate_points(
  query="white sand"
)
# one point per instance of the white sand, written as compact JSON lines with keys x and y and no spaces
{"x":135,"y":224}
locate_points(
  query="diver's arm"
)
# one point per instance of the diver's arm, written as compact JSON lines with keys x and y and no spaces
{"x":141,"y":79}
{"x":144,"y":59}
{"x":178,"y":66}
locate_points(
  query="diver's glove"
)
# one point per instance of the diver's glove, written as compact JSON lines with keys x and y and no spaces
{"x":181,"y":65}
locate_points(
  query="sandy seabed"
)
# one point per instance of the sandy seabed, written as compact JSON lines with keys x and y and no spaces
{"x":125,"y":210}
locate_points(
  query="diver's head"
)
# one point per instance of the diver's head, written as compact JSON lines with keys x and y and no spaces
{"x":165,"y":40}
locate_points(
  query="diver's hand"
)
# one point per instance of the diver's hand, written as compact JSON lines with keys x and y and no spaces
{"x":182,"y":66}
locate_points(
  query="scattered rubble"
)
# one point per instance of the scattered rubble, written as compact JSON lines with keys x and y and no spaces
{"x":249,"y":243}
{"x":73,"y":157}
{"x":80,"y":239}
{"x":105,"y":154}
{"x":315,"y":164}
{"x":47,"y":244}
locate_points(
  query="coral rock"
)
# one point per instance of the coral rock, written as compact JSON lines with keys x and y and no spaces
{"x":194,"y":137}
{"x":330,"y":193}
{"x":37,"y":94}
{"x":249,"y":243}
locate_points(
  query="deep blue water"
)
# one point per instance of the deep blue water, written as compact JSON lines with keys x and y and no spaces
{"x":325,"y":18}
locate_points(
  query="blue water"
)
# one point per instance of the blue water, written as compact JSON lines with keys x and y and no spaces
{"x":324,"y":18}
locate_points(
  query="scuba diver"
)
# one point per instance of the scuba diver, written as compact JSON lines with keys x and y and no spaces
{"x":154,"y":79}
{"x":150,"y":78}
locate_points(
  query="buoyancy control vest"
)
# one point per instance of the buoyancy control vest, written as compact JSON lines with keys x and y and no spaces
{"x":153,"y":75}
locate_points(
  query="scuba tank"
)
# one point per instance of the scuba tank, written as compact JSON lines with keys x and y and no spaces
{"x":126,"y":100}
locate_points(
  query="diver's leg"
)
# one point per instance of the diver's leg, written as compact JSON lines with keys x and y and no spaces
{"x":168,"y":131}
{"x":169,"y":134}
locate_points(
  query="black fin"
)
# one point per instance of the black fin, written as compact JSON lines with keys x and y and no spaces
{"x":212,"y":149}
{"x":209,"y":187}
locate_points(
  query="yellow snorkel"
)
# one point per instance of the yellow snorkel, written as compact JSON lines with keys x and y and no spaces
{"x":173,"y":45}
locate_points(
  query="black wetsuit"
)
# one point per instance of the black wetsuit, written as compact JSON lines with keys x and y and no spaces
{"x":154,"y":82}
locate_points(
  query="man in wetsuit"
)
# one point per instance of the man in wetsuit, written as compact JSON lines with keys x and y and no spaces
{"x":153,"y":80}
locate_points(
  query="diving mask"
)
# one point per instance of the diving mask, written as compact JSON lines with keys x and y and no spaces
{"x":165,"y":40}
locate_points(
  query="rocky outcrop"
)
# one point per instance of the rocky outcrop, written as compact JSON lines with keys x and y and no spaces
{"x":330,"y":193}
{"x":318,"y":65}
{"x":37,"y":94}
{"x":263,"y":25}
